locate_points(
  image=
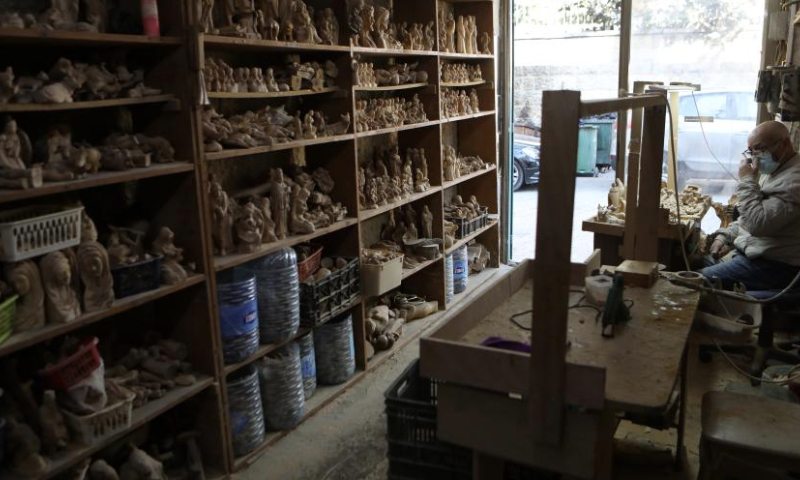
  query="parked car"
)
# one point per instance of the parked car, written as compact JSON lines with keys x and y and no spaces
{"x":526,"y":164}
{"x":727,"y":119}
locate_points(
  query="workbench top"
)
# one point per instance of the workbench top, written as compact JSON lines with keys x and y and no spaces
{"x":643,"y":359}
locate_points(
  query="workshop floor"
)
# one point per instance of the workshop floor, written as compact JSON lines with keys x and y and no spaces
{"x":346,"y":440}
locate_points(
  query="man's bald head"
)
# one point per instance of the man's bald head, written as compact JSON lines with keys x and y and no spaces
{"x":772,"y":136}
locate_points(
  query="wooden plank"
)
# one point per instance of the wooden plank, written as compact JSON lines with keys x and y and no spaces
{"x":18,"y":341}
{"x":57,"y":107}
{"x":464,"y":84}
{"x":470,"y":237}
{"x":389,"y":88}
{"x":464,"y":56}
{"x":97,"y":180}
{"x":249,"y":44}
{"x":468,"y":117}
{"x":408,"y":272}
{"x":402,"y":128}
{"x":647,"y":209}
{"x":75,"y":452}
{"x":504,"y":427}
{"x":391,"y":52}
{"x":559,"y":157}
{"x":504,"y":371}
{"x":626,"y":10}
{"x":469,"y":176}
{"x":591,"y":108}
{"x":365,"y":214}
{"x":60,"y":38}
{"x":255,"y":95}
{"x":246,"y":152}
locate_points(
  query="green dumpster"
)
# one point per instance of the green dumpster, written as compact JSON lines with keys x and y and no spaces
{"x":605,"y":131}
{"x":587,"y":150}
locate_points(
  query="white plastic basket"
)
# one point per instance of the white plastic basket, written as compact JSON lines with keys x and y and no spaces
{"x":95,"y":427}
{"x":32,"y":231}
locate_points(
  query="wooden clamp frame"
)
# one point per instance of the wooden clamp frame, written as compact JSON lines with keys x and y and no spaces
{"x":561,"y":113}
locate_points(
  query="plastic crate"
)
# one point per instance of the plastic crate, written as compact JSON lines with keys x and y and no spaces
{"x":414,"y":450}
{"x":136,"y":278}
{"x":321,"y":301}
{"x":8,"y":310}
{"x":307,"y":267}
{"x":379,"y":279}
{"x":33,"y":231}
{"x":93,"y":428}
{"x":468,"y":227}
{"x":67,"y":373}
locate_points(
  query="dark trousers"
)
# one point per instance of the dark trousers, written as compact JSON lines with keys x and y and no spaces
{"x":757,"y":275}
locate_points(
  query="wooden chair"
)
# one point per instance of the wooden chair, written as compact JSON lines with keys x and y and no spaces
{"x":747,"y":437}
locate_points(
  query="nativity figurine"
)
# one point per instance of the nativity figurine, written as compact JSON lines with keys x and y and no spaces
{"x":95,"y":272}
{"x":250,"y":229}
{"x":172,"y":272}
{"x":222,"y":214}
{"x":61,"y":299}
{"x":26,"y":281}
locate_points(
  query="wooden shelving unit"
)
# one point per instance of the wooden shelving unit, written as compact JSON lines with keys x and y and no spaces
{"x":178,"y":190}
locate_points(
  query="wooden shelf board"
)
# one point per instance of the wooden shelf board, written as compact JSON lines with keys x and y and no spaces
{"x":75,"y":453}
{"x":253,"y":95}
{"x":401,"y":128}
{"x":468,"y":84}
{"x":466,"y":56}
{"x":374,"y":212}
{"x":97,"y":180}
{"x":468,"y":117}
{"x":61,"y":38}
{"x":407,"y":272}
{"x":258,"y":44}
{"x":392,"y":52}
{"x":323,"y":396}
{"x":470,"y":176}
{"x":18,"y":341}
{"x":407,"y":86}
{"x":53,"y":107}
{"x":230,"y":261}
{"x":244,"y":152}
{"x":265,"y":350}
{"x":470,"y":237}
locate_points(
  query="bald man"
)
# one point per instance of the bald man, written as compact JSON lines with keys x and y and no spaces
{"x":761,"y":250}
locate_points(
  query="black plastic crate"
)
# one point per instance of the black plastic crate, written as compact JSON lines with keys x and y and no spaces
{"x":137,"y":278}
{"x":319,"y":302}
{"x":414,"y":450}
{"x":468,"y":227}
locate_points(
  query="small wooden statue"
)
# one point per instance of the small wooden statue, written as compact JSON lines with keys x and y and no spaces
{"x":279,"y":199}
{"x":62,"y":300}
{"x":221,"y":217}
{"x":299,"y":223}
{"x":172,"y":272}
{"x":250,"y":229}
{"x":427,"y":222}
{"x":96,"y":276}
{"x":269,"y":225}
{"x":24,"y":447}
{"x":486,"y":40}
{"x":24,"y":278}
{"x":54,"y":432}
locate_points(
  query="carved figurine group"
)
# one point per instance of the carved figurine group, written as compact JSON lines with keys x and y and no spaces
{"x":389,"y":179}
{"x":366,"y":75}
{"x":70,"y":15}
{"x":272,"y":211}
{"x":384,"y":323}
{"x":221,"y":77}
{"x":457,"y":165}
{"x":460,"y":35}
{"x":378,"y":113}
{"x":456,"y":103}
{"x":67,"y":82}
{"x":268,"y":126}
{"x":277,"y":20}
{"x":56,"y":157}
{"x":372,"y":28}
{"x":461,"y":73}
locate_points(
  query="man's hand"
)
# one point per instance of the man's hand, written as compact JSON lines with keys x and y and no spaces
{"x":719,"y":249}
{"x":747,"y":169}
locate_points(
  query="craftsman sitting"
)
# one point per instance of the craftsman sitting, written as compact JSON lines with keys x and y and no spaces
{"x":761,"y":250}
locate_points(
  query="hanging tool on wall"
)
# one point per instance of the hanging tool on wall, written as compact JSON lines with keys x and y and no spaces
{"x":615,"y":311}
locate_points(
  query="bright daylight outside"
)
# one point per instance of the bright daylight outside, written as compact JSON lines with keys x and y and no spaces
{"x":575,"y":44}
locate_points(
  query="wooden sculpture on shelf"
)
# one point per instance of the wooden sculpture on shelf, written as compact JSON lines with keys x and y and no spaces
{"x":95,"y":272}
{"x":328,"y":26}
{"x":486,"y":40}
{"x":300,"y":225}
{"x":141,"y":466}
{"x":222,"y":213}
{"x":24,"y":449}
{"x":263,"y":204}
{"x":62,"y":300}
{"x":249,"y":228}
{"x":279,"y":198}
{"x":427,"y":222}
{"x":473,"y":35}
{"x":25,"y":279}
{"x":461,"y":35}
{"x":172,"y":272}
{"x":51,"y":422}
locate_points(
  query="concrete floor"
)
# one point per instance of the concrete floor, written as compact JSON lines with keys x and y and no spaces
{"x":346,"y":440}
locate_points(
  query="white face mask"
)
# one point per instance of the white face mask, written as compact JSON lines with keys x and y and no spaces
{"x":767,"y":164}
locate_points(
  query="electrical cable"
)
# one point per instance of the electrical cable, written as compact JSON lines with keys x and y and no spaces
{"x":789,"y":378}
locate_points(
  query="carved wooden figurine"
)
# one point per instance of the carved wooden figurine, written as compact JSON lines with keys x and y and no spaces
{"x":62,"y":301}
{"x":279,"y":199}
{"x":427,"y":222}
{"x":250,"y":229}
{"x":299,"y":223}
{"x":486,"y":40}
{"x":263,"y":204}
{"x":23,"y":447}
{"x":222,"y":211}
{"x":54,"y":432}
{"x":172,"y":272}
{"x":96,"y":276}
{"x":24,"y":278}
{"x":461,"y":35}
